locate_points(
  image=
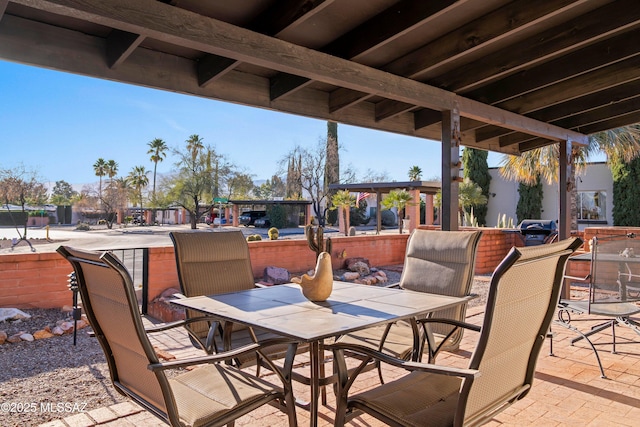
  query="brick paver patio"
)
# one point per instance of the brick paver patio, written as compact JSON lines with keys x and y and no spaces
{"x":567,"y":391}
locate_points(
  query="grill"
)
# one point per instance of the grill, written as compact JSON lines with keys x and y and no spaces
{"x":537,"y":231}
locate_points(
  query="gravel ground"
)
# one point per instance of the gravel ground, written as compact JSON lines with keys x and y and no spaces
{"x":50,"y":379}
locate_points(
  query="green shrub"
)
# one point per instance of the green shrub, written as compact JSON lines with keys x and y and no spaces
{"x":388,"y":218}
{"x":83,"y":226}
{"x":278,"y":216}
{"x":273,"y":233}
{"x":257,"y":237}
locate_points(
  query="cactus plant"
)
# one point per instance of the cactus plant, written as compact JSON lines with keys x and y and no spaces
{"x":273,"y":233}
{"x":315,"y":239}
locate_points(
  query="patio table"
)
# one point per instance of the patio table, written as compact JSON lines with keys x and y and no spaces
{"x":283,"y":310}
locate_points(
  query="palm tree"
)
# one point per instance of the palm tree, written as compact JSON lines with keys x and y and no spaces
{"x":415,"y":173}
{"x":99,"y":167}
{"x":343,"y":200}
{"x":158,"y":150}
{"x":111,"y":169}
{"x":194,"y":145}
{"x":138,"y":179}
{"x":398,"y":199}
{"x":469,"y":195}
{"x":617,"y":144}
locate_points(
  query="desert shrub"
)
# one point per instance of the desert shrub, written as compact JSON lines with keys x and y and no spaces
{"x":83,"y":226}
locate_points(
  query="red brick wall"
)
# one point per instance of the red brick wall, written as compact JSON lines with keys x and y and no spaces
{"x":34,"y":281}
{"x":40,"y":280}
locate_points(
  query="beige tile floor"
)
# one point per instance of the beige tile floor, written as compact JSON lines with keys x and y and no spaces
{"x":567,"y":390}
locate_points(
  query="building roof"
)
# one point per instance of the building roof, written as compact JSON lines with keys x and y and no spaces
{"x":426,"y":187}
{"x":521,"y":74}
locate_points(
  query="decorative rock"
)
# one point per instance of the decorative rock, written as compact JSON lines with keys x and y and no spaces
{"x":67,"y":327}
{"x":14,"y":339}
{"x":381,"y":279}
{"x":26,"y":337}
{"x":41,"y":334}
{"x":350,"y":261}
{"x":349,"y":276}
{"x":276,"y":275}
{"x":12,"y":314}
{"x":57,"y":331}
{"x":360,"y":267}
{"x":3,"y":337}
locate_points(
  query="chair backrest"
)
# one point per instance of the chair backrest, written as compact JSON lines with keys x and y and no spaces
{"x":109,"y":301}
{"x":615,"y":272}
{"x":442,"y":262}
{"x":212,"y":262}
{"x":523,"y":295}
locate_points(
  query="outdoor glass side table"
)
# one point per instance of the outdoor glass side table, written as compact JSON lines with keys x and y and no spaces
{"x":282,"y":309}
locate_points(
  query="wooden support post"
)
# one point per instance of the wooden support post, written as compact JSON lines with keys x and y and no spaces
{"x":378,"y":212}
{"x":450,"y":169}
{"x":564,"y":190}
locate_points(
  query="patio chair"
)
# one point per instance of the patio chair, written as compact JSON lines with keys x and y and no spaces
{"x":523,"y":295}
{"x":212,"y":394}
{"x":614,"y":289}
{"x":437,"y":262}
{"x":213,"y":263}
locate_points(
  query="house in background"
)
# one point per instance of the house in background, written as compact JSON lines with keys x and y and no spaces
{"x":595,"y":197}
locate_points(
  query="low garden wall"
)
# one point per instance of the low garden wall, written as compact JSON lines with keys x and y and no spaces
{"x":39,"y":280}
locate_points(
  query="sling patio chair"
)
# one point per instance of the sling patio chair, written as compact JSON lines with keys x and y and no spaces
{"x":437,"y":262}
{"x":211,"y":394}
{"x":523,"y":295}
{"x":212,"y":263}
{"x":614,"y":290}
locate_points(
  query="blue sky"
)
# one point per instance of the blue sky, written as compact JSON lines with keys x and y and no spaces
{"x":59,"y":124}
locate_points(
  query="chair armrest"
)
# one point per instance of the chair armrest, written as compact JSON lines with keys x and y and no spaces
{"x":219,"y":357}
{"x":177,"y":323}
{"x":452,"y":322}
{"x":400,"y":363}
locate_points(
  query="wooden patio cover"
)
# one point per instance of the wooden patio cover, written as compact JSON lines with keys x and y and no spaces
{"x":506,"y":76}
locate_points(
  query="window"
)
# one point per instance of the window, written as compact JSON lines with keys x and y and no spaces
{"x":592,"y":205}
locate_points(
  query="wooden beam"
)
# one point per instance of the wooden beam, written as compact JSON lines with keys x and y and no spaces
{"x":3,"y":7}
{"x":450,"y":170}
{"x":212,"y":67}
{"x":599,"y":55}
{"x":584,"y":30}
{"x":594,"y":81}
{"x":387,"y":108}
{"x":513,"y":18}
{"x":592,"y":101}
{"x":532,"y":144}
{"x":120,"y":44}
{"x":601,"y":114}
{"x":613,"y":123}
{"x":188,"y":29}
{"x":381,"y":29}
{"x":287,"y":14}
{"x":599,"y":82}
{"x":284,"y":84}
{"x":342,"y":98}
{"x":387,"y":26}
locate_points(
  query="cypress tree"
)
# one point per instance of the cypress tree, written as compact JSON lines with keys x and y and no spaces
{"x":475,"y":167}
{"x":626,"y":197}
{"x":530,"y":202}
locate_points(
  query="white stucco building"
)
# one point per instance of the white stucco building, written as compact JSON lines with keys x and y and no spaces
{"x":595,"y":197}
